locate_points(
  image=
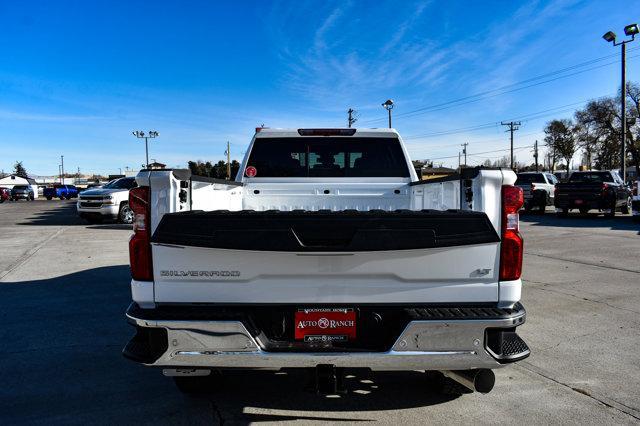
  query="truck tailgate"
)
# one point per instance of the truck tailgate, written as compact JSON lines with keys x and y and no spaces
{"x":325,"y":257}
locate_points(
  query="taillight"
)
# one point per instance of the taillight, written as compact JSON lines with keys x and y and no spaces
{"x":140,"y":242}
{"x":511,"y":248}
{"x":533,"y":187}
{"x":605,"y":187}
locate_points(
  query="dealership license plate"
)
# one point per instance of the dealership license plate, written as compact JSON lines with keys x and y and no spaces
{"x":578,"y":201}
{"x":325,"y":325}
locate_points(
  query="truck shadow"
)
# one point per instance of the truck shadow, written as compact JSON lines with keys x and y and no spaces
{"x":577,"y":220}
{"x":62,"y":364}
{"x":63,"y":213}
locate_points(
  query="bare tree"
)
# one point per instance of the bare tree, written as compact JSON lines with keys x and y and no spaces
{"x":561,"y":137}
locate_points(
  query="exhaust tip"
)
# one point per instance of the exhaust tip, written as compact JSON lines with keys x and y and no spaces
{"x":484,"y":381}
{"x":481,"y":380}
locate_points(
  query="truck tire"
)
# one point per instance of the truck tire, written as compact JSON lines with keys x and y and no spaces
{"x":125,"y":215}
{"x":563,"y":213}
{"x":612,"y":212}
{"x":49,"y":198}
{"x":626,"y":209}
{"x":542,"y":207}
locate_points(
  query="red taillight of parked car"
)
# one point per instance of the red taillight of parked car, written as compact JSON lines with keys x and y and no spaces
{"x":511,"y":248}
{"x":140,"y":242}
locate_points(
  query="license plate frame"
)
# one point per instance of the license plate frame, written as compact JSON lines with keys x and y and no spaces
{"x":325,"y":325}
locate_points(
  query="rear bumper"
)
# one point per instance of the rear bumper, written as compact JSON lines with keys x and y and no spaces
{"x":591,"y":204}
{"x":444,"y":343}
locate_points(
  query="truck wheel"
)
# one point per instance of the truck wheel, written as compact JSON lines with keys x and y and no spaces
{"x":49,"y":198}
{"x":542,"y":207}
{"x":627,"y":207}
{"x":126,"y":214}
{"x":584,"y":210}
{"x":612,"y":210}
{"x":197,"y":384}
{"x":563,"y":213}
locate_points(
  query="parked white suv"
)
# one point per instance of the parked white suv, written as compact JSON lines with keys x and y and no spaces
{"x":111,"y":201}
{"x":327,"y":252}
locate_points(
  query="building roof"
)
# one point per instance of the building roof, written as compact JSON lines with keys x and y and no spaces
{"x":8,"y":179}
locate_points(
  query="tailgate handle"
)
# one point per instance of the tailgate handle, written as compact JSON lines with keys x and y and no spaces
{"x":322,"y":242}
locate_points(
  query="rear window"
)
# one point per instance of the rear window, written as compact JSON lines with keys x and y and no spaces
{"x":532,"y":178}
{"x":20,"y":187}
{"x":328,"y":157}
{"x":595,"y":177}
{"x":123,"y":183}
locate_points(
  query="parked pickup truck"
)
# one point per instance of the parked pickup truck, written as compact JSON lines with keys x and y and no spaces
{"x":538,"y":189}
{"x":600,"y":190}
{"x":60,"y":191}
{"x":327,"y":252}
{"x":110,"y":201}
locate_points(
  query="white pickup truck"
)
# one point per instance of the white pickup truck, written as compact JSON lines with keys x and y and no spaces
{"x":110,"y":201}
{"x":327,"y":252}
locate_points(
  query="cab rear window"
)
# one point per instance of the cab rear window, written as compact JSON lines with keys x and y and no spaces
{"x":328,"y":157}
{"x":530,"y":178}
{"x":595,"y":177}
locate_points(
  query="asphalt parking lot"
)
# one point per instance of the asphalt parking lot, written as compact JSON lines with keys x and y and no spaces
{"x":64,"y":286}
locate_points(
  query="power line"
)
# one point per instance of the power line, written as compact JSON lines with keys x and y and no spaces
{"x":479,"y":153}
{"x":525,"y":117}
{"x":503,"y":89}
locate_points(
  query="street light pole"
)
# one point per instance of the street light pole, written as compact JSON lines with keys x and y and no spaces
{"x":630,"y":30}
{"x":62,"y":168}
{"x":142,"y":135}
{"x":388,"y":105}
{"x":623,"y":104}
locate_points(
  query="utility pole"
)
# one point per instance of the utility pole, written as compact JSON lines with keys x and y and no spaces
{"x":59,"y":173}
{"x":464,"y":151}
{"x":62,"y":168}
{"x":352,"y":119}
{"x":458,"y":159}
{"x":513,"y":126}
{"x":228,"y":153}
{"x":535,"y":153}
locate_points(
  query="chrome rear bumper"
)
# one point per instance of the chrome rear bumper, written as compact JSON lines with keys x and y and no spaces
{"x":423,"y":345}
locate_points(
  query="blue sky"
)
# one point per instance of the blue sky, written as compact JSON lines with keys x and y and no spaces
{"x":77,"y":77}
